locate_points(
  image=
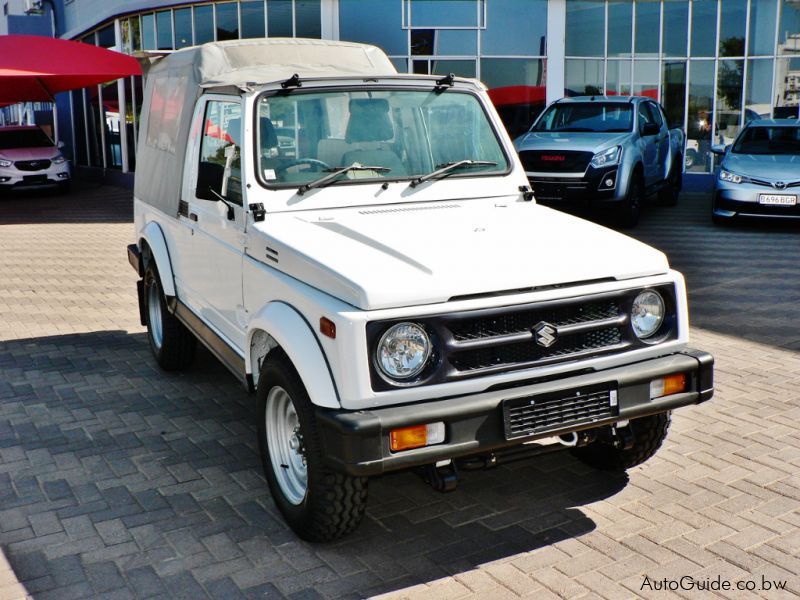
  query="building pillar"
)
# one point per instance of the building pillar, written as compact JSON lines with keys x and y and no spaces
{"x":329,"y":19}
{"x":556,"y":48}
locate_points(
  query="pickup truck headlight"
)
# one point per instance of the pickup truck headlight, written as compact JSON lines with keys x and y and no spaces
{"x":732,"y":177}
{"x":59,"y":160}
{"x":5,"y":163}
{"x":647,"y":313}
{"x":403,"y":351}
{"x":607,"y":158}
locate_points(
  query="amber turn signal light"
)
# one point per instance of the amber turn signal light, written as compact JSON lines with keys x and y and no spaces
{"x":416,"y":436}
{"x":327,"y":327}
{"x":666,"y":386}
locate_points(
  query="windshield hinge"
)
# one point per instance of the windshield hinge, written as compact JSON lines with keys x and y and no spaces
{"x":293,"y":81}
{"x":527,"y":193}
{"x":448,"y":80}
{"x":258,"y":212}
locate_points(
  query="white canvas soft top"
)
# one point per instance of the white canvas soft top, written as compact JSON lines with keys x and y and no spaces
{"x":175,"y":82}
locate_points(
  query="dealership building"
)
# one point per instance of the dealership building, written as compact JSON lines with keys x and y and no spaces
{"x":713,"y":64}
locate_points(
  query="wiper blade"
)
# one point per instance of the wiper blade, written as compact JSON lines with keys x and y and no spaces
{"x":445,"y":169}
{"x":335,"y":172}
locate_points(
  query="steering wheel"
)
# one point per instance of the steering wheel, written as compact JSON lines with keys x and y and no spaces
{"x":313,"y":162}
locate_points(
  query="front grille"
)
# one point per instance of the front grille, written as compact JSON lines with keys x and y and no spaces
{"x":558,"y":411}
{"x":32,"y":165}
{"x":555,"y":161}
{"x":499,"y":340}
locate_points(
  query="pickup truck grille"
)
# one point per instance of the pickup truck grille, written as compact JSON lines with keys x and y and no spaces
{"x":555,"y":161}
{"x":483,"y":342}
{"x":32,"y":165}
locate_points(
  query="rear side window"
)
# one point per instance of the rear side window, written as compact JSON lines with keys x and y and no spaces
{"x":166,"y":105}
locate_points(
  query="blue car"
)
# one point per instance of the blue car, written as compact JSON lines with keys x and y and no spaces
{"x":760,"y":172}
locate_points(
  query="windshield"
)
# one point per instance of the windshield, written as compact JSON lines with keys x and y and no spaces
{"x":405,"y":134}
{"x":768,"y":140}
{"x":24,"y":138}
{"x":587,"y":117}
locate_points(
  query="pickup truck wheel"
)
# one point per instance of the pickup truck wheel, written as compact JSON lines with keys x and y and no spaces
{"x":318,"y":503}
{"x":648,"y":435}
{"x":172,"y":344}
{"x":631,"y":206}
{"x":668,"y":196}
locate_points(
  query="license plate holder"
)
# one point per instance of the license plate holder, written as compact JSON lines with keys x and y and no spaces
{"x":553,"y":411}
{"x":777,"y":199}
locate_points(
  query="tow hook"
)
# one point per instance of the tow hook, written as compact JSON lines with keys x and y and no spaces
{"x":622,"y":437}
{"x":442,"y":476}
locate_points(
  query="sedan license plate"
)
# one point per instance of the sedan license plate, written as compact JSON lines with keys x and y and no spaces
{"x":777,"y":199}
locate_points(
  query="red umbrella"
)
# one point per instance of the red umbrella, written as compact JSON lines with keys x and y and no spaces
{"x":35,"y":68}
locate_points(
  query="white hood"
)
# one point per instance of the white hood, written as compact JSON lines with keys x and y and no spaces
{"x":403,"y":255}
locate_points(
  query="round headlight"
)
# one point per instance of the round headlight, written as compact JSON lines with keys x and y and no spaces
{"x":403,"y":351}
{"x":647,"y":314}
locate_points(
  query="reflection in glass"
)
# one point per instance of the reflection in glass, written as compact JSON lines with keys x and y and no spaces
{"x":203,"y":24}
{"x":136,"y":34}
{"x":423,"y":42}
{"x":457,"y":41}
{"x":730,"y":80}
{"x":253,"y":19}
{"x":516,"y":87}
{"x":620,"y":27}
{"x":279,"y":18}
{"x":183,"y":27}
{"x":585,"y":27}
{"x":676,"y":27}
{"x":227,"y":21}
{"x":373,"y":22}
{"x":435,"y":13}
{"x":701,"y":103}
{"x":515,"y":27}
{"x":732,"y":28}
{"x":789,"y":31}
{"x":148,"y":32}
{"x":704,"y":28}
{"x":164,"y":30}
{"x":125,"y":32}
{"x":308,"y":18}
{"x":762,"y":27}
{"x":463,"y":68}
{"x":648,"y":26}
{"x":787,"y":88}
{"x":646,"y":77}
{"x":673,"y":92}
{"x":583,"y":77}
{"x":618,"y":77}
{"x":757,"y":96}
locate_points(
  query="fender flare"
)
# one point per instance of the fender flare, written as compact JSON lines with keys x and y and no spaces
{"x":292,"y":332}
{"x":154,"y":236}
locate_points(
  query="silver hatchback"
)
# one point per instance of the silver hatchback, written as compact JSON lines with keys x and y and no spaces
{"x":760,"y":172}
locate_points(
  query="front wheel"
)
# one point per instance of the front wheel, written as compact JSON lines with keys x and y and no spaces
{"x":172,"y":344}
{"x":318,"y":503}
{"x":648,"y":435}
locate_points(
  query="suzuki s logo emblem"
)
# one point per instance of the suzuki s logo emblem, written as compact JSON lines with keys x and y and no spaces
{"x":553,"y":157}
{"x":545,"y":334}
{"x":779,"y":185}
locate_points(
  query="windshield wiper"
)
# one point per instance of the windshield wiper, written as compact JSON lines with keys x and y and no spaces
{"x":447,"y":168}
{"x":335,"y":172}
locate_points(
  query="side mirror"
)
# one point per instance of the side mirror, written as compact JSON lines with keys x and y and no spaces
{"x":718,"y":149}
{"x":209,"y":181}
{"x":650,"y":129}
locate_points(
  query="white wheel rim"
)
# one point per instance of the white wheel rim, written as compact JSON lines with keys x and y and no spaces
{"x":285,"y":443}
{"x":154,"y":313}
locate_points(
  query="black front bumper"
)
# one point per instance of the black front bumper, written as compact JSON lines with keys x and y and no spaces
{"x":357,"y":442}
{"x":587,"y":190}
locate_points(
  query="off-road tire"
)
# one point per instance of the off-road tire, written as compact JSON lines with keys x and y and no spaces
{"x":648,"y":435}
{"x":668,"y":196}
{"x":334,"y":502}
{"x":176,"y":349}
{"x":631,"y":207}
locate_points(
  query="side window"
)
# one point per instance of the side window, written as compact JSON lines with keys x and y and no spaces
{"x":220,"y":150}
{"x":644,"y":115}
{"x":656,"y":112}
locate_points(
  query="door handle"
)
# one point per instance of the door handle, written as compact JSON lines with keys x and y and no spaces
{"x":193,"y":216}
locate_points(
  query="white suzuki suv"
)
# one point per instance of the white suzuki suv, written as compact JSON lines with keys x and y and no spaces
{"x":383,"y":279}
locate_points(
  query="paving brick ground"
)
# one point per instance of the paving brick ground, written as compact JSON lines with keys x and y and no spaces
{"x":120,"y":481}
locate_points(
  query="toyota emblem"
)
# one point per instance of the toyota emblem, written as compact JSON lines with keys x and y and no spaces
{"x":779,"y":185}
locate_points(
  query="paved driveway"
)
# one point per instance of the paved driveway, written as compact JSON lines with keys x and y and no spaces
{"x":118,"y":480}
